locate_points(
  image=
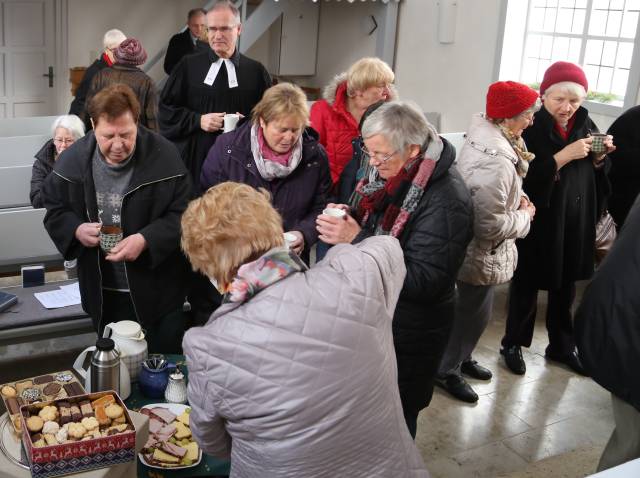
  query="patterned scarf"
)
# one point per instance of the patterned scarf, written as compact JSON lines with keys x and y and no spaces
{"x":268,"y":169}
{"x":398,"y":197}
{"x":519,"y":146}
{"x":255,"y":276}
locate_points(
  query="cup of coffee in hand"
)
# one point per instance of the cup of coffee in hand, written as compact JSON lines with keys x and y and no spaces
{"x":230,"y":121}
{"x":110,"y":236}
{"x":597,"y":143}
{"x":334,"y":212}
{"x":289,"y":239}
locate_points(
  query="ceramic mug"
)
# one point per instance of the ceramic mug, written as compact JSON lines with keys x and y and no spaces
{"x":110,"y":236}
{"x":230,"y":121}
{"x":597,"y":143}
{"x":334,"y":212}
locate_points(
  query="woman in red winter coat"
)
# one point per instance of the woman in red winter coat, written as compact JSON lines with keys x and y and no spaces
{"x":348,"y":95}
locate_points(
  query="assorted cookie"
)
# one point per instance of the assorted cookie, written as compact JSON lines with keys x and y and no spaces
{"x":75,"y":419}
{"x":46,"y":387}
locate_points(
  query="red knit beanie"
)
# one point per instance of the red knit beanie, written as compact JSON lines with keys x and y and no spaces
{"x":130,"y":52}
{"x":563,"y":71}
{"x":506,"y":99}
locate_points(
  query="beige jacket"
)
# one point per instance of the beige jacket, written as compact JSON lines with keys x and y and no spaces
{"x":487,"y":164}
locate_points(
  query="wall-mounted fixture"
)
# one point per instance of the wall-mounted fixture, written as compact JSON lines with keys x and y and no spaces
{"x":447,"y":13}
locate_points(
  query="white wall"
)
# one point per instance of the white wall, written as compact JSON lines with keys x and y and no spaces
{"x":449,"y":78}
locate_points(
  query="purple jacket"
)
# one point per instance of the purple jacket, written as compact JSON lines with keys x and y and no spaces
{"x":299,"y":197}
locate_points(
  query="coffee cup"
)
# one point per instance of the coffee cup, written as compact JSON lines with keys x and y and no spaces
{"x":289,"y":238}
{"x":230,"y":121}
{"x":334,"y":212}
{"x":597,"y":143}
{"x":110,"y":236}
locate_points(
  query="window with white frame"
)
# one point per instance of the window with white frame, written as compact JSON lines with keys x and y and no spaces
{"x":599,"y":35}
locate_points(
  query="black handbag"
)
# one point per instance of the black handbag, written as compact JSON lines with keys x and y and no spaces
{"x":605,"y":236}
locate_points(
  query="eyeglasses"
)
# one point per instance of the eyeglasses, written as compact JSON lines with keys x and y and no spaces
{"x":378,"y":156}
{"x":224,"y":30}
{"x":66,"y":141}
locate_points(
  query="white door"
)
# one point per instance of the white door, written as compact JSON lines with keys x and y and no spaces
{"x":27,"y":56}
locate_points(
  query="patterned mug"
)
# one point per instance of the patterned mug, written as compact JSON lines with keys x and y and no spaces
{"x":597,"y":144}
{"x":110,"y":236}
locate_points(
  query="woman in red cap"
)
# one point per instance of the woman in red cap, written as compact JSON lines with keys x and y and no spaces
{"x":493,"y":161}
{"x":568,"y":185}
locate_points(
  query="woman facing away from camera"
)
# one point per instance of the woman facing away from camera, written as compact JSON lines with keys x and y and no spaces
{"x":295,"y":374}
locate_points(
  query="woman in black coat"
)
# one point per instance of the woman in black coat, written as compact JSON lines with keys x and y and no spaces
{"x":65,"y":131}
{"x":423,"y":202}
{"x":568,"y":185}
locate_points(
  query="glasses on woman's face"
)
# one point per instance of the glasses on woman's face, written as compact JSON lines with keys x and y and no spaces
{"x":65,"y":141}
{"x":382,"y":157}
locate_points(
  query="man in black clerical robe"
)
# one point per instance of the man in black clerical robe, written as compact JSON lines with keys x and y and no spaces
{"x":204,"y":86}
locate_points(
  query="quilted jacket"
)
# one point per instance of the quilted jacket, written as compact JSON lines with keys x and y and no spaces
{"x":487,"y":165}
{"x":300,"y":381}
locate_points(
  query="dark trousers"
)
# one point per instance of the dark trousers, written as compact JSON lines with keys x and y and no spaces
{"x":163,"y":336}
{"x":521,"y":318}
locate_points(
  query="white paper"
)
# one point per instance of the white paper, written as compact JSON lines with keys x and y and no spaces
{"x":60,"y":297}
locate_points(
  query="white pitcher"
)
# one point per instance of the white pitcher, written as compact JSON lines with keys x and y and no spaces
{"x":85,"y":374}
{"x":129,"y":339}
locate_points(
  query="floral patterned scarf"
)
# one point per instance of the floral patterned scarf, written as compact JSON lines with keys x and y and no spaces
{"x":257,"y":275}
{"x":519,"y":146}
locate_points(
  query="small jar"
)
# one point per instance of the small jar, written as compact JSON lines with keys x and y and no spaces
{"x":176,"y":391}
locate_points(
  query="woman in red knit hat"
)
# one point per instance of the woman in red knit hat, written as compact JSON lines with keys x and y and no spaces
{"x":568,"y":184}
{"x":492,"y":162}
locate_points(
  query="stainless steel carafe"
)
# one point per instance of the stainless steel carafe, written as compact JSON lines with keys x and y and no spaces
{"x":105,"y":367}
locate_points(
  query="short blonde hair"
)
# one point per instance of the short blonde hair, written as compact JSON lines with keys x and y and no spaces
{"x":282,"y":100}
{"x":368,"y":72}
{"x":230,"y":225}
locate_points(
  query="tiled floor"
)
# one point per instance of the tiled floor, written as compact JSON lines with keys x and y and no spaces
{"x":547,"y":423}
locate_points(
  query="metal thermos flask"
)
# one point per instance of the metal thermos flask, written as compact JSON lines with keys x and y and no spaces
{"x":105,"y":366}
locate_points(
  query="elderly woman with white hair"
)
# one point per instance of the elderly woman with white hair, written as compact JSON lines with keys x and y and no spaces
{"x":65,"y":130}
{"x":419,"y":198}
{"x":294,"y":375}
{"x":568,"y":184}
{"x":110,"y":42}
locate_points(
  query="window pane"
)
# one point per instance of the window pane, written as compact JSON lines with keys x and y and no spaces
{"x":616,"y":4}
{"x":578,"y":21}
{"x":533,"y":46}
{"x":604,"y":81}
{"x":629,"y":25}
{"x":549,"y":19}
{"x":625,"y":50}
{"x":592,"y":75}
{"x":542,"y":67}
{"x":609,"y":53}
{"x":619,"y":84}
{"x":633,"y":4}
{"x":581,"y":3}
{"x":536,"y":19}
{"x":530,"y":71}
{"x":565,"y":19}
{"x":545,"y":47}
{"x":593,"y":52}
{"x":613,"y":24}
{"x":574,"y":50}
{"x":600,"y":4}
{"x":598,"y":22}
{"x":560,"y":49}
{"x":566,"y":3}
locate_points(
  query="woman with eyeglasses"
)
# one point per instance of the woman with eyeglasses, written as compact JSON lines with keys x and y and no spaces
{"x":66,"y":130}
{"x":420,"y":199}
{"x":492,"y":162}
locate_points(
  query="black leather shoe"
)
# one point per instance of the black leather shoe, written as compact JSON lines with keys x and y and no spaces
{"x":458,"y":387}
{"x":471,"y":368}
{"x":513,"y":359}
{"x":572,"y":361}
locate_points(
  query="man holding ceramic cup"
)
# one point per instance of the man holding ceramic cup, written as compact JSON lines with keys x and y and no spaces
{"x":114,"y":202}
{"x":207,"y":87}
